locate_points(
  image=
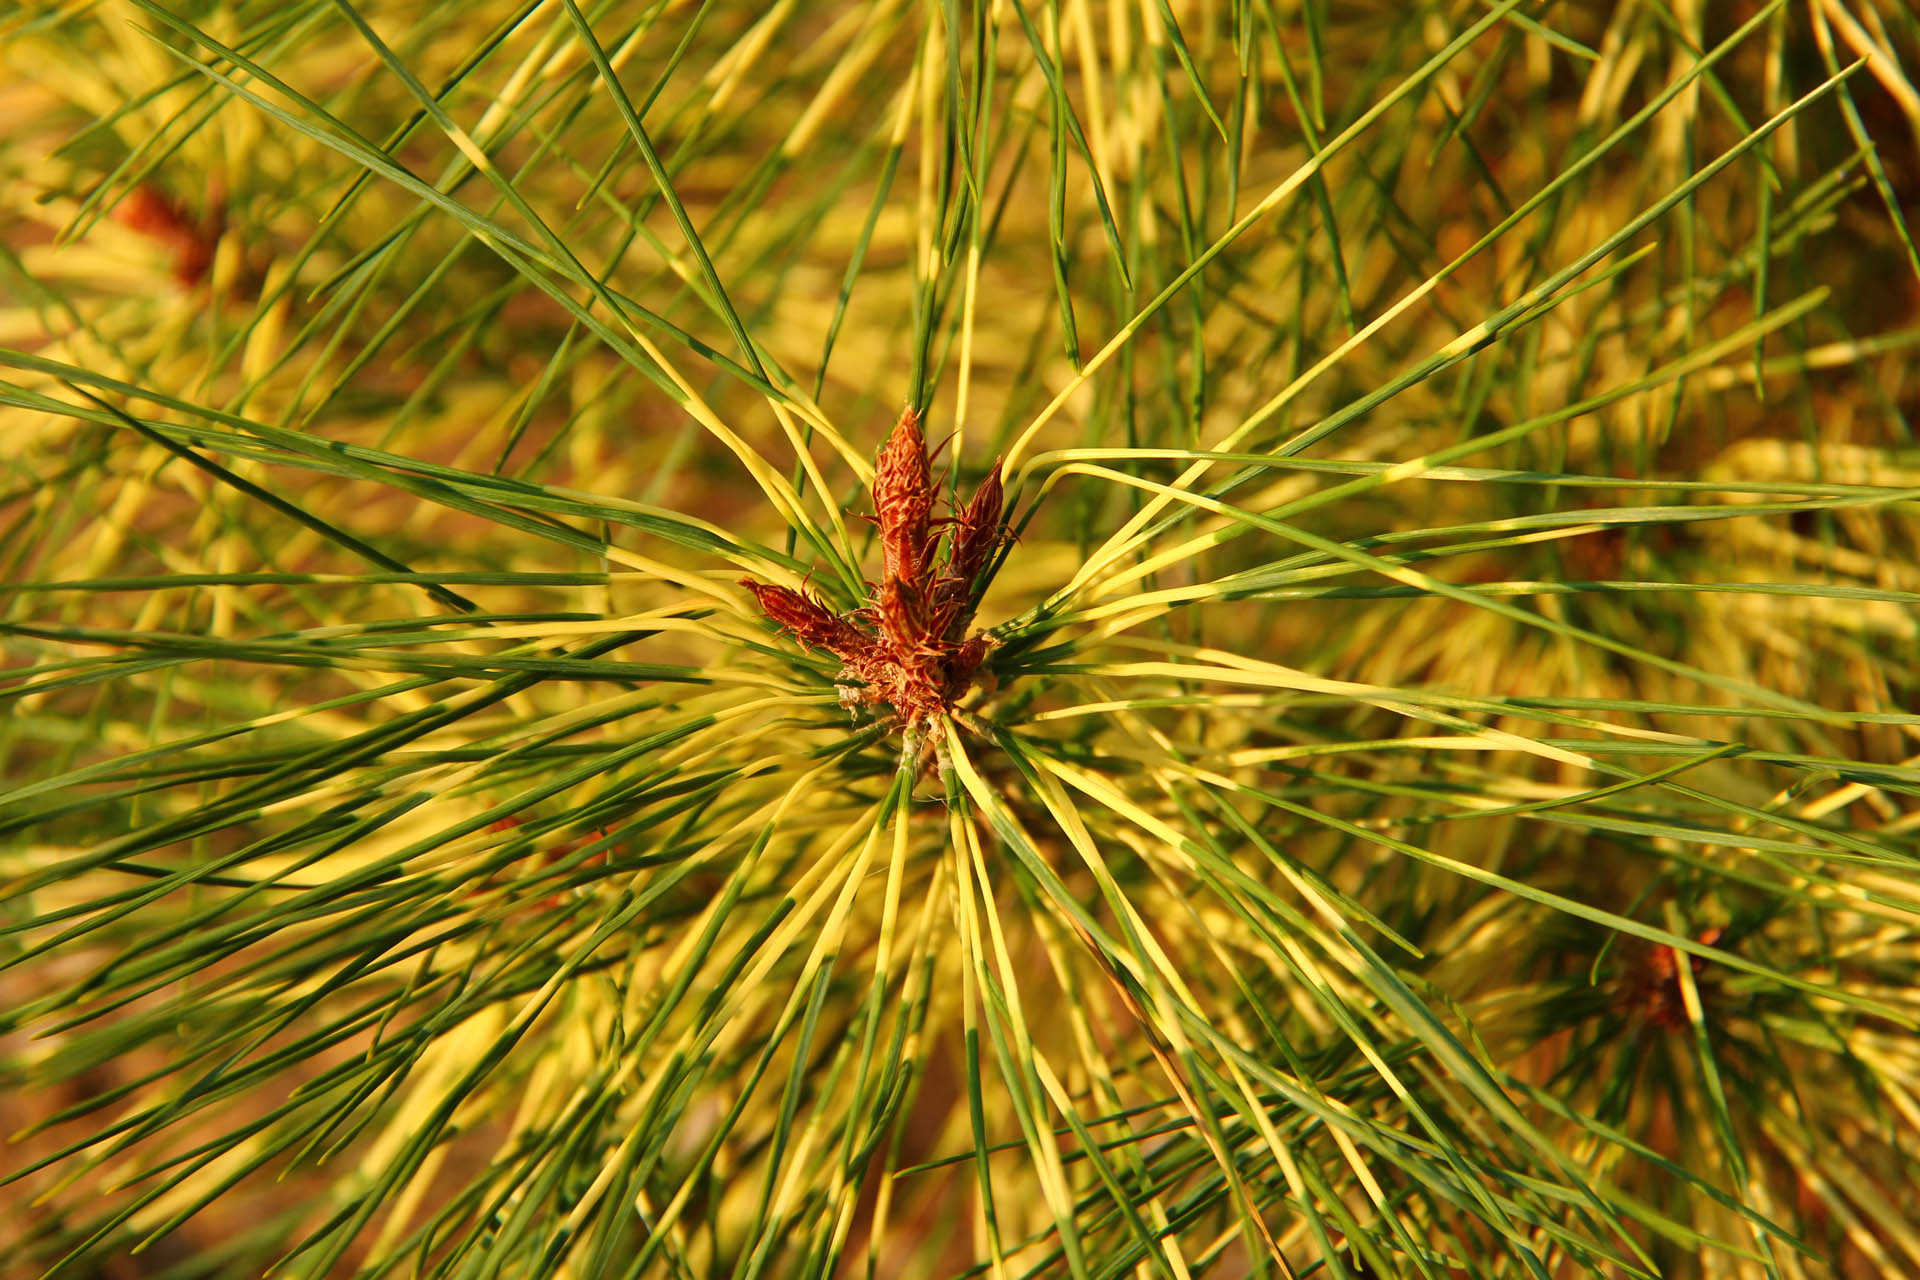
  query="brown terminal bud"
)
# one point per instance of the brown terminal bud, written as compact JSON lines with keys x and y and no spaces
{"x":904,"y":617}
{"x":903,"y":500}
{"x":907,"y":648}
{"x":147,"y":210}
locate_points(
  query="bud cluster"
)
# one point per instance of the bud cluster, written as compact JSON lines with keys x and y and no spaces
{"x":908,"y":648}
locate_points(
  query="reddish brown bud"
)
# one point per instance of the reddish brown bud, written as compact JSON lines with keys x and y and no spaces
{"x":1651,"y":986}
{"x":903,"y":500}
{"x":905,"y":649}
{"x":965,"y":664}
{"x":946,"y":617}
{"x":807,"y":618}
{"x":904,"y":617}
{"x":977,"y":529}
{"x":147,"y":211}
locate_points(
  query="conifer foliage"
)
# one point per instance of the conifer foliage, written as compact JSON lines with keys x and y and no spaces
{"x":519,"y":759}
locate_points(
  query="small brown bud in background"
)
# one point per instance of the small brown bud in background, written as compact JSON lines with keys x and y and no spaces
{"x":150,"y":213}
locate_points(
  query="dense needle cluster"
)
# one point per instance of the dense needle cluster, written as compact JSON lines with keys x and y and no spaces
{"x":908,"y":648}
